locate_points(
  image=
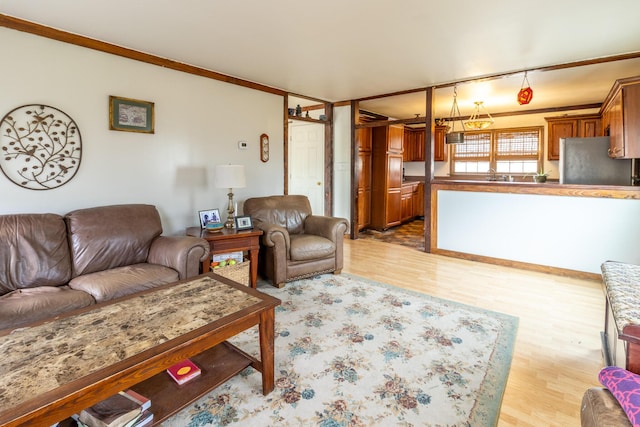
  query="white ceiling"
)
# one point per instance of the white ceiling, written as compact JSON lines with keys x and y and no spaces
{"x":347,"y":49}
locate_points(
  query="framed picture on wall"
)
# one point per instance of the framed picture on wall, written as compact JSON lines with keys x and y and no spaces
{"x":131,"y":115}
{"x":243,"y":223}
{"x":210,"y":215}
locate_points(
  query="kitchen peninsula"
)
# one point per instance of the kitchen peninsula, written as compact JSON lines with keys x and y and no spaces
{"x":565,"y":229}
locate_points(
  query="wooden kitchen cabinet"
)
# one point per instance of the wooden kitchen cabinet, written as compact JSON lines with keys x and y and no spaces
{"x":364,"y":163}
{"x":620,"y":112}
{"x":414,"y":144}
{"x":581,"y":126}
{"x":440,"y":148}
{"x":418,"y":200}
{"x":412,"y":200}
{"x":386,"y":176}
{"x":407,"y":201}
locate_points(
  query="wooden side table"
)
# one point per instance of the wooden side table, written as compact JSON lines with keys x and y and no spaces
{"x":231,"y":240}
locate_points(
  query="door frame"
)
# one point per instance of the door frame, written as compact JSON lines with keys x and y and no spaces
{"x":314,"y":104}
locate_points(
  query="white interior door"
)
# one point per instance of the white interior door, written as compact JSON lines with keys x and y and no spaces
{"x":306,"y":163}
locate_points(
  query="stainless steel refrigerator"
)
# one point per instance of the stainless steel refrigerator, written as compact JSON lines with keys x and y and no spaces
{"x":586,"y":161}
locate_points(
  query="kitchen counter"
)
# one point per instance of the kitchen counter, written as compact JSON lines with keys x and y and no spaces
{"x":549,"y":188}
{"x":551,"y":227}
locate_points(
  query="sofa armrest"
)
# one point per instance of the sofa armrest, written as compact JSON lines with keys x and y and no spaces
{"x":332,"y":228}
{"x":182,"y":253}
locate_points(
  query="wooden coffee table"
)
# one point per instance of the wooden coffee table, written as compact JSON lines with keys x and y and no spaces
{"x":53,"y":369}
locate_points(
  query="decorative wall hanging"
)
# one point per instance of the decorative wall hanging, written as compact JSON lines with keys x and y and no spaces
{"x":41,"y":147}
{"x":525,"y":95}
{"x":131,"y":115}
{"x":264,"y":147}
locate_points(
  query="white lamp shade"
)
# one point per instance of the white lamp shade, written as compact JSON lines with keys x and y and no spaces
{"x":230,"y":176}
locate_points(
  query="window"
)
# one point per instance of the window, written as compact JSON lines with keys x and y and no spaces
{"x":506,"y":151}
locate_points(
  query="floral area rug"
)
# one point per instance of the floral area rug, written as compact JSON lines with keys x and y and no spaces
{"x":353,"y":352}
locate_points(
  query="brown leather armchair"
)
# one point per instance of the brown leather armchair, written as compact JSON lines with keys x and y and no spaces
{"x":295,"y":243}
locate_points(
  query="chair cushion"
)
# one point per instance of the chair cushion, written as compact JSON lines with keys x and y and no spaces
{"x":289,"y":211}
{"x":625,"y":387}
{"x":24,"y":306}
{"x":117,"y":282}
{"x":305,"y":247}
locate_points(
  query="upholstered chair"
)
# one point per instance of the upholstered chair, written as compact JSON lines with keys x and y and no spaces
{"x":295,"y":243}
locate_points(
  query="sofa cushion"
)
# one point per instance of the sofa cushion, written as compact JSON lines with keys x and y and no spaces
{"x":625,"y":387}
{"x":33,"y":251}
{"x":117,"y":282}
{"x":306,"y":247}
{"x":107,"y":237}
{"x":24,"y":306}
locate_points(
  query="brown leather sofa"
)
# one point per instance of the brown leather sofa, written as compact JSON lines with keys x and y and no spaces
{"x":50,"y":264}
{"x":295,"y":243}
{"x":601,"y":409}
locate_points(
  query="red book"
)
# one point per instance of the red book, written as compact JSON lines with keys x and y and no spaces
{"x":183,"y":371}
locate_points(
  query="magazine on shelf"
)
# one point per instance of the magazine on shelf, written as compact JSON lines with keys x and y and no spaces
{"x":120,"y":410}
{"x":183,"y":371}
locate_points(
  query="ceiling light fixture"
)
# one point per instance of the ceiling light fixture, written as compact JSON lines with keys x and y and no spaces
{"x":477,"y":121}
{"x":525,"y":95}
{"x":452,"y":136}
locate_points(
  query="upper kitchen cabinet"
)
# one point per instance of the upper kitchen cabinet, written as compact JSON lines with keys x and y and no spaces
{"x":621,"y":118}
{"x":414,"y":144}
{"x":440,"y":149}
{"x":582,"y":126}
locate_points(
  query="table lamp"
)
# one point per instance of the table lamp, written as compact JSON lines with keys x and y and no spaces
{"x":230,"y":176}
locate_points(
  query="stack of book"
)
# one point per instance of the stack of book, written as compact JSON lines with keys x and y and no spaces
{"x":125,"y":409}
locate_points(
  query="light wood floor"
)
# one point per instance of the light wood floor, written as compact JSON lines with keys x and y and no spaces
{"x":557,"y":353}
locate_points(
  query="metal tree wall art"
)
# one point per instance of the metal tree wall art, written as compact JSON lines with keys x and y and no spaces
{"x":41,"y":147}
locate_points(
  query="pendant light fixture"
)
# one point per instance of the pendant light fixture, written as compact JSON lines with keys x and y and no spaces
{"x":453,"y":136}
{"x":525,"y":95}
{"x":477,"y":121}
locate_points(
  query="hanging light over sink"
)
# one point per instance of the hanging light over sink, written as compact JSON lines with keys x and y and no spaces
{"x":478,"y":121}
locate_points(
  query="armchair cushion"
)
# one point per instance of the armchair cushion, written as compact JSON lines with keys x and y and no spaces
{"x":306,"y":247}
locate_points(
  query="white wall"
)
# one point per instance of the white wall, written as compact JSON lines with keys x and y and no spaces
{"x":575,"y":233}
{"x":342,"y":162}
{"x":198,"y":123}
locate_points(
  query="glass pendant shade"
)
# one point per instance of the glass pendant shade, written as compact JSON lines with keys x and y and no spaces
{"x":477,"y":121}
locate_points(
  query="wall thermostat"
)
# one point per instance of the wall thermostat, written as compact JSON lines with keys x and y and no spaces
{"x":243,"y":145}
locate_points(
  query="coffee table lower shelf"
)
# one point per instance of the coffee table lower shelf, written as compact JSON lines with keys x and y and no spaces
{"x":218,"y":365}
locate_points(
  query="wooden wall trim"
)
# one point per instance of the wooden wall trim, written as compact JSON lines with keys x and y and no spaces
{"x":601,"y":60}
{"x":518,"y":264}
{"x":75,"y":39}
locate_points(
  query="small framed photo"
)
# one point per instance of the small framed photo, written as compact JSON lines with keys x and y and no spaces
{"x":243,"y":223}
{"x":210,"y":215}
{"x":130,"y":115}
